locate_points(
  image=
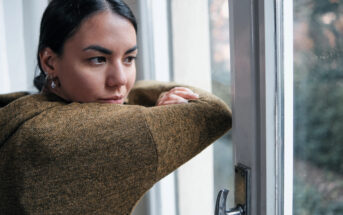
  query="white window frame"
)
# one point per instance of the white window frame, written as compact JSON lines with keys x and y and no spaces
{"x":262,"y":66}
{"x":286,"y":36}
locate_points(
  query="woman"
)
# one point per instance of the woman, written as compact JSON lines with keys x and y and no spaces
{"x":76,"y":148}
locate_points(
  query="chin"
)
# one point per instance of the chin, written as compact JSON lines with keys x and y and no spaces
{"x":112,"y":101}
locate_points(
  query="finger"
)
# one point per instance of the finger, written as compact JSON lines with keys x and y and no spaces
{"x":164,"y":98}
{"x":172,"y":98}
{"x":186,"y":94}
{"x":170,"y":102}
{"x":161,"y":98}
{"x":167,"y":96}
{"x":181,"y":89}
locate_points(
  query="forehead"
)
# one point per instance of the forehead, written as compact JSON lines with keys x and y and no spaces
{"x":106,"y":29}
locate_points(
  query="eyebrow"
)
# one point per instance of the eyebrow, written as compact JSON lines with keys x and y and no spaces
{"x":131,"y":50}
{"x":99,"y":49}
{"x":105,"y":50}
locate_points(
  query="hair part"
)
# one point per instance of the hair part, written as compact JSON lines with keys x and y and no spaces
{"x":62,"y":19}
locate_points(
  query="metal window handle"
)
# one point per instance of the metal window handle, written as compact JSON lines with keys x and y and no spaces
{"x":242,"y":194}
{"x":236,"y":211}
{"x":221,"y":205}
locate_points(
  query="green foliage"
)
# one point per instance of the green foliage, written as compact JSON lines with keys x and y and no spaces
{"x":308,"y":200}
{"x":318,"y":103}
{"x":319,"y":92}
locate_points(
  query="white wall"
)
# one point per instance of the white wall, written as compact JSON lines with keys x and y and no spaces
{"x":32,"y":15}
{"x":19,"y":31}
{"x":14,"y":35}
{"x":4,"y":74}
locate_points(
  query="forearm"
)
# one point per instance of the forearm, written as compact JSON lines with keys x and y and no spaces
{"x":146,"y":93}
{"x":181,"y":131}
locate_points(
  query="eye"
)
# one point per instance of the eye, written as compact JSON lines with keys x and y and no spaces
{"x":97,"y":60}
{"x":129,"y":60}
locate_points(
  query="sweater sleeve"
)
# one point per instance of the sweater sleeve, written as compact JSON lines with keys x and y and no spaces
{"x":181,"y":131}
{"x":8,"y":98}
{"x":146,"y":93}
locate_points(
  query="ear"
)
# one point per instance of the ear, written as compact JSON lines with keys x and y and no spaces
{"x":48,"y":60}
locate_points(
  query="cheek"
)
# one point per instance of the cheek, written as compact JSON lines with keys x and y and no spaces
{"x":80,"y":83}
{"x":131,"y":79}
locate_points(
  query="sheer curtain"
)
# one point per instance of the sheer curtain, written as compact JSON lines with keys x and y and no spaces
{"x":19,"y":32}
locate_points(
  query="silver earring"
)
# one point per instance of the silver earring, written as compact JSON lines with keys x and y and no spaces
{"x":53,"y":85}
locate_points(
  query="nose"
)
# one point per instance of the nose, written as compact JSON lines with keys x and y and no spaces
{"x":116,"y":76}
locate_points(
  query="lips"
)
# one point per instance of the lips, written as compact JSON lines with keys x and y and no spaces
{"x":113,"y":100}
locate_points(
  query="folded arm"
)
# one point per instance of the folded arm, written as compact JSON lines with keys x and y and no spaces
{"x":180,"y":131}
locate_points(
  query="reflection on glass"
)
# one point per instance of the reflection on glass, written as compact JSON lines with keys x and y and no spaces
{"x":318,"y":107}
{"x":221,"y":85}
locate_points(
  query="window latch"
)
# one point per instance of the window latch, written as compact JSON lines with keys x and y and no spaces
{"x":221,"y":205}
{"x":242,"y":194}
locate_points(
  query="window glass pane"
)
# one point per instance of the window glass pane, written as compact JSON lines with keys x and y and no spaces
{"x":221,"y":86}
{"x":318,"y":107}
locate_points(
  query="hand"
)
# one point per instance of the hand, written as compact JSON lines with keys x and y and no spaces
{"x":177,"y":95}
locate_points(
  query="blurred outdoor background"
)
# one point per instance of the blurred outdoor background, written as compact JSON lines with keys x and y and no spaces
{"x":223,"y":170}
{"x":318,"y":107}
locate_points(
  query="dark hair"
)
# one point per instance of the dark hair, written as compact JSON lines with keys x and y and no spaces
{"x":61,"y":20}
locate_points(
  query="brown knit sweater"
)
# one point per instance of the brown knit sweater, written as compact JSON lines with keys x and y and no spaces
{"x":89,"y":158}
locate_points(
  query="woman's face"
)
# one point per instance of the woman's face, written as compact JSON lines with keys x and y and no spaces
{"x":98,"y":61}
